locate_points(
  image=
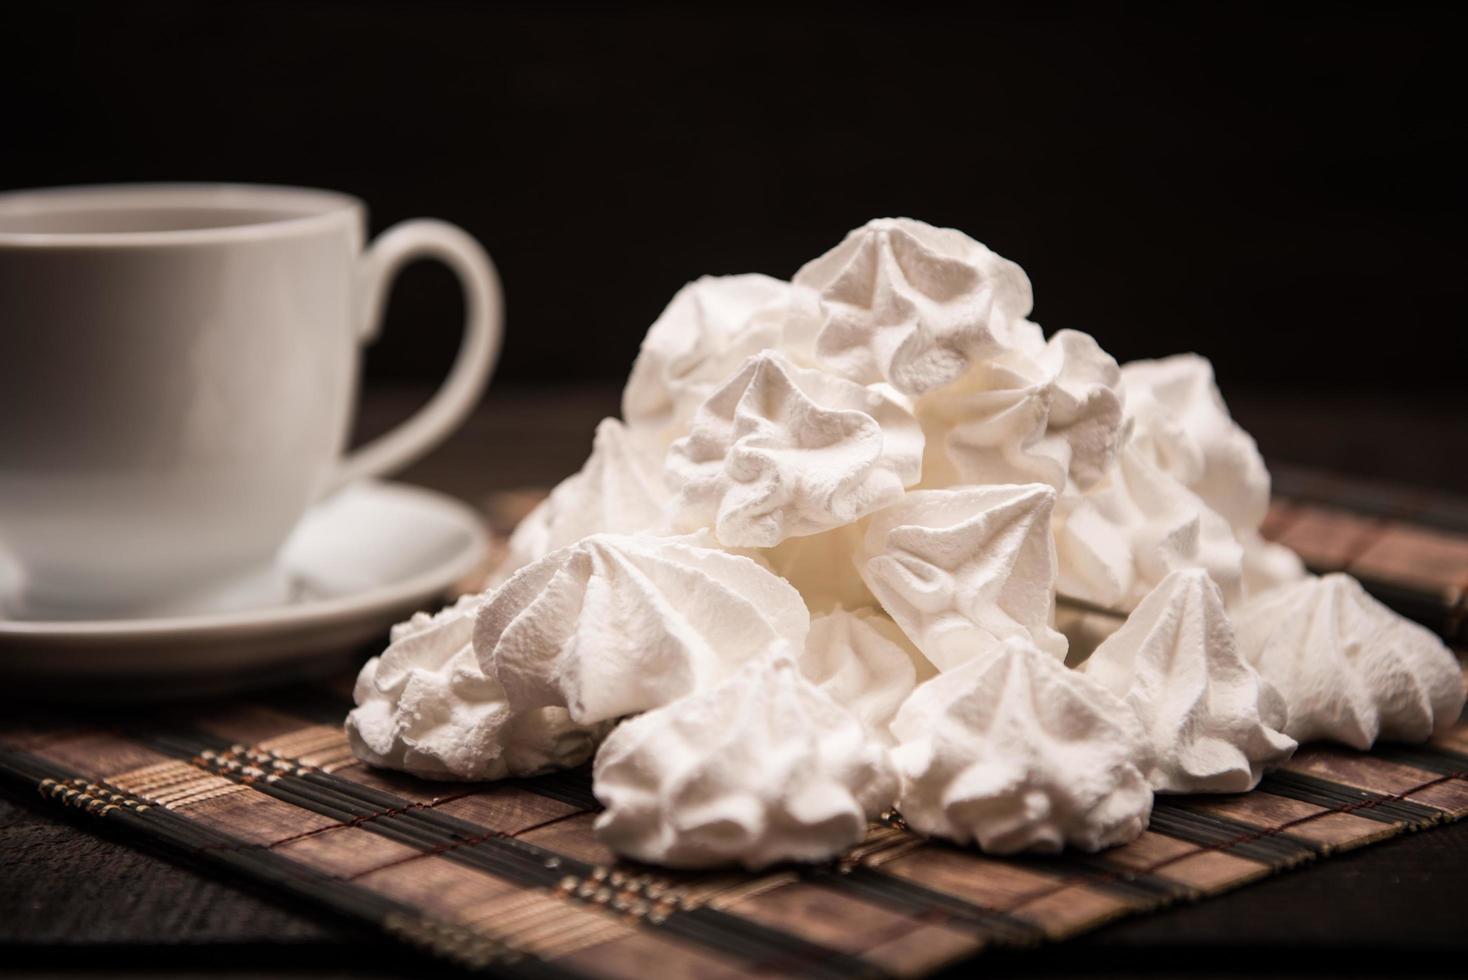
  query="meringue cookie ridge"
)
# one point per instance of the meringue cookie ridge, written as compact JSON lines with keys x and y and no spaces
{"x":762,"y":768}
{"x":1212,"y":723}
{"x":618,"y":624}
{"x":1016,"y":752}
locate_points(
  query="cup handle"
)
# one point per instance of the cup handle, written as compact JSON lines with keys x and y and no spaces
{"x":478,"y":351}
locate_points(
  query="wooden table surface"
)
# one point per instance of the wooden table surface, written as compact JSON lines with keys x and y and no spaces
{"x":73,"y":902}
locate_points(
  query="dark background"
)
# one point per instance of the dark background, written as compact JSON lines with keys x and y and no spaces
{"x":1279,"y":189}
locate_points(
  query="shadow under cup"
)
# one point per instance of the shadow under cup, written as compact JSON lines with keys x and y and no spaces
{"x":177,"y":370}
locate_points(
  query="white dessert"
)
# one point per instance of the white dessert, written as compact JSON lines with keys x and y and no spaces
{"x":903,"y":302}
{"x":1267,"y":564}
{"x":822,"y":567}
{"x":865,"y":664}
{"x":1040,"y":413}
{"x":836,"y":521}
{"x":618,"y":624}
{"x":1212,"y":724}
{"x":953,"y":566}
{"x":1016,"y":752}
{"x":763,"y":768}
{"x":1350,"y":669}
{"x":1118,"y":540}
{"x":426,"y":707}
{"x":1184,"y":427}
{"x":708,"y":330}
{"x":618,"y":490}
{"x":781,"y":451}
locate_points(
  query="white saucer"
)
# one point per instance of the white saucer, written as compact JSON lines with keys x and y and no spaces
{"x":362,"y":560}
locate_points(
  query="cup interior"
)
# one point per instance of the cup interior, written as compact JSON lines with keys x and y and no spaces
{"x":144,"y":210}
{"x":135,"y":219}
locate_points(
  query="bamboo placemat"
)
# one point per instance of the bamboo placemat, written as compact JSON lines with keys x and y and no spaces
{"x":1408,"y":546}
{"x":509,"y":876}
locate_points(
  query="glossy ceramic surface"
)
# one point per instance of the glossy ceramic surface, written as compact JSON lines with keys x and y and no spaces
{"x":178,"y":368}
{"x":360,"y":561}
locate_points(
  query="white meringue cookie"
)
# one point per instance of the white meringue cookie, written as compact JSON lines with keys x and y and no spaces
{"x":617,"y":624}
{"x":1212,"y":723}
{"x":425,"y":707}
{"x":989,"y":427}
{"x":782,"y":451}
{"x":1017,"y":752}
{"x":903,"y":302}
{"x":1027,"y":337}
{"x":1350,"y":669}
{"x":1120,"y":538}
{"x":1184,"y":426}
{"x":953,"y":565}
{"x":619,"y":489}
{"x":1268,"y":564}
{"x":1053,"y":416}
{"x":822,"y":568}
{"x":865,"y":664}
{"x":1086,"y":411}
{"x":764,"y":768}
{"x":702,"y":337}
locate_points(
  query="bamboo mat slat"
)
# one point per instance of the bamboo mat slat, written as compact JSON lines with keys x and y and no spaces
{"x":1408,"y":546}
{"x":510,"y":877}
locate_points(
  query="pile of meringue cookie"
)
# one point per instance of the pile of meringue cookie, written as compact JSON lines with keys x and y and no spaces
{"x":812,"y":576}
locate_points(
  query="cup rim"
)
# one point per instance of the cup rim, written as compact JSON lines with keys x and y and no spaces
{"x":311,"y":209}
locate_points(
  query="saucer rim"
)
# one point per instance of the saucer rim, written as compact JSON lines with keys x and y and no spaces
{"x":308,"y":614}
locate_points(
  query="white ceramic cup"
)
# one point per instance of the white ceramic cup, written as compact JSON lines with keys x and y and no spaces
{"x":178,"y":369}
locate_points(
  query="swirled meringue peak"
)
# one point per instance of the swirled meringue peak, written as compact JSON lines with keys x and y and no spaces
{"x":424,"y":706}
{"x":1350,"y":669}
{"x":1184,"y":426}
{"x":763,"y":768}
{"x":865,"y":663}
{"x":903,"y":302}
{"x":1052,"y":415}
{"x":1211,"y":722}
{"x":619,"y":489}
{"x":702,"y":337}
{"x":1118,"y":540}
{"x":1015,"y":751}
{"x":617,"y":624}
{"x":781,"y":451}
{"x":953,"y":566}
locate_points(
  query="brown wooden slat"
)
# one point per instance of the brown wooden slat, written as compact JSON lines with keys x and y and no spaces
{"x":345,"y":852}
{"x":1382,"y":776}
{"x":572,"y":836}
{"x":1305,"y":820}
{"x":824,"y":916}
{"x":1072,"y":909}
{"x":1148,"y":851}
{"x":643,"y":955}
{"x":1432,"y":562}
{"x":507,"y":809}
{"x":983,"y":881}
{"x":924,"y":950}
{"x":1211,"y":871}
{"x":1328,"y":540}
